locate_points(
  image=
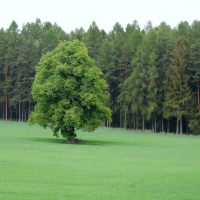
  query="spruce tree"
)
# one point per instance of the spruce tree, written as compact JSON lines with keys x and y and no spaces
{"x":195,"y":67}
{"x":106,"y":64}
{"x":5,"y":84}
{"x":164,"y":40}
{"x":93,"y":35}
{"x":178,"y":91}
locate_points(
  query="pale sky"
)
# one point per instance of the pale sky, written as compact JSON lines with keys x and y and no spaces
{"x":71,"y":14}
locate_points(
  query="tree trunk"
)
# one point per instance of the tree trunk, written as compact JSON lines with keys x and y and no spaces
{"x":177,"y":127}
{"x":25,"y":115}
{"x":8,"y":105}
{"x":125,"y":117}
{"x":10,"y":113}
{"x":23,"y":112}
{"x":6,"y":99}
{"x":6,"y":108}
{"x":143,"y":123}
{"x":103,"y":123}
{"x":181,"y":126}
{"x":155,"y":126}
{"x":120,"y":116}
{"x":136,"y":122}
{"x":168,"y":126}
{"x":3,"y":111}
{"x":134,"y":127}
{"x":187,"y":126}
{"x":162,"y":125}
{"x":152,"y":125}
{"x":19,"y":112}
{"x":198,"y":95}
{"x":16,"y":112}
{"x":107,"y":123}
{"x":29,"y":110}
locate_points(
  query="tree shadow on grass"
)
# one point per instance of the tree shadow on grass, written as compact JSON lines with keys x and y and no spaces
{"x":83,"y":142}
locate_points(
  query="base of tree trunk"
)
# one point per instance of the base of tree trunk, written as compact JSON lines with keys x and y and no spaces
{"x":74,"y":141}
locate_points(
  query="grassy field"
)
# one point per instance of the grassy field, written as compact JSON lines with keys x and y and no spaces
{"x":113,"y":164}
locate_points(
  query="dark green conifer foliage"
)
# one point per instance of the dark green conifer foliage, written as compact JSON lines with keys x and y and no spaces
{"x":134,"y":40}
{"x":119,"y":68}
{"x":178,"y":92}
{"x":93,"y":35}
{"x":194,"y":32}
{"x":79,"y":33}
{"x":117,"y":28}
{"x":195,"y":67}
{"x":183,"y":28}
{"x":36,"y":29}
{"x":5,"y":83}
{"x":47,"y":26}
{"x":50,"y":41}
{"x":165,"y":39}
{"x":142,"y":84}
{"x":106,"y":64}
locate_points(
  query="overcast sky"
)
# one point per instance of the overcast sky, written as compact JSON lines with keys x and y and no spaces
{"x":71,"y":14}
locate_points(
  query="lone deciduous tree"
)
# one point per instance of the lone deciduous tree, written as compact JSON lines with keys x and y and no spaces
{"x":69,"y":91}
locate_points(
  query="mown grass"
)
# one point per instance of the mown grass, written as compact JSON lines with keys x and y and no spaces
{"x":111,"y":164}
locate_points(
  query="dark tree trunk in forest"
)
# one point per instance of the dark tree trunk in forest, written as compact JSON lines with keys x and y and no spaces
{"x":134,"y":127}
{"x":125,"y":117}
{"x":198,"y":96}
{"x":8,"y":105}
{"x":136,"y":120}
{"x":181,"y":126}
{"x":143,"y":123}
{"x":155,"y":126}
{"x":162,"y":126}
{"x":3,"y":111}
{"x":6,"y":108}
{"x":10,"y":113}
{"x":6,"y":98}
{"x":29,"y":109}
{"x":168,"y":126}
{"x":16,"y":112}
{"x":25,"y":115}
{"x":187,"y":126}
{"x":177,"y":127}
{"x":152,"y":125}
{"x":120,"y":116}
{"x":23,"y":112}
{"x":19,"y":112}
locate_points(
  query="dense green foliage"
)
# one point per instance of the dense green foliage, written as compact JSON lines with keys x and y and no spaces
{"x":113,"y":164}
{"x":69,"y":91}
{"x":153,"y":74}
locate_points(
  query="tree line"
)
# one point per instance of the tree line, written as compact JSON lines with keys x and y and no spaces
{"x":153,"y":73}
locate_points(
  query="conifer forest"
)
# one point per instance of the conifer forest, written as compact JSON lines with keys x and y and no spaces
{"x":153,"y":73}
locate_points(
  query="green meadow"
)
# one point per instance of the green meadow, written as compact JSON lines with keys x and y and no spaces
{"x":110,"y":164}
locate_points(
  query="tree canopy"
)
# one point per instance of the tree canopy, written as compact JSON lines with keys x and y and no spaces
{"x":69,"y":91}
